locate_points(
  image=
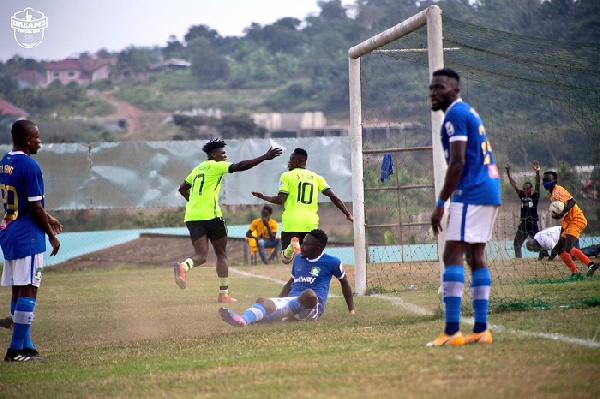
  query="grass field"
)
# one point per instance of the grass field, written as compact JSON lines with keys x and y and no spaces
{"x":130,"y":332}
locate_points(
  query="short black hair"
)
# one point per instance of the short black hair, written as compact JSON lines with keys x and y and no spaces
{"x":554,"y":174}
{"x":268,"y":209}
{"x":528,"y":182}
{"x":302,"y":152}
{"x":320,"y":236}
{"x":21,"y":129}
{"x":213,"y":145}
{"x":451,"y":73}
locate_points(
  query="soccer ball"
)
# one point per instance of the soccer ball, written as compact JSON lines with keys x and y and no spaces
{"x":556,"y":207}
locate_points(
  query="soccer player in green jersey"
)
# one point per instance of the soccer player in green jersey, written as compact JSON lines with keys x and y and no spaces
{"x":203,"y":216}
{"x":298,"y":193}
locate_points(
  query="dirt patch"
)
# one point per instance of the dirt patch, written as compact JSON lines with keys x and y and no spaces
{"x":153,"y":250}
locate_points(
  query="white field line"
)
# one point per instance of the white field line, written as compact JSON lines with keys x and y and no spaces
{"x":413,"y":308}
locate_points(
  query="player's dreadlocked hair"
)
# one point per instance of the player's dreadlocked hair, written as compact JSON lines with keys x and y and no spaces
{"x":320,"y":236}
{"x":213,"y":145}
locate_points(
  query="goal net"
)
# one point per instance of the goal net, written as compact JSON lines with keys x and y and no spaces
{"x":538,"y":100}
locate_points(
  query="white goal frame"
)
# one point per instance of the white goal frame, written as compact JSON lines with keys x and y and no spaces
{"x":432,"y":18}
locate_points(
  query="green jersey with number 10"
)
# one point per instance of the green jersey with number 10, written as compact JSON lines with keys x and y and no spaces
{"x":205,"y":181}
{"x":300,"y":209}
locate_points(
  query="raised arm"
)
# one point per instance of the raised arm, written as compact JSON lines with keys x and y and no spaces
{"x":512,"y":181}
{"x":536,"y":167}
{"x":347,"y":292}
{"x":250,"y":163}
{"x":338,"y":203}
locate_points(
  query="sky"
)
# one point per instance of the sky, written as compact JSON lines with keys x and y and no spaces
{"x":76,"y":26}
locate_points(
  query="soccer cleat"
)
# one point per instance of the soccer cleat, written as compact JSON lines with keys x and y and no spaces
{"x":484,"y":337}
{"x":179,"y":272}
{"x":445,"y":339}
{"x":6,"y":322}
{"x":225,"y":298}
{"x":232,"y":318}
{"x":295,"y":245}
{"x":14,"y":355}
{"x":32,"y":353}
{"x":592,"y":267}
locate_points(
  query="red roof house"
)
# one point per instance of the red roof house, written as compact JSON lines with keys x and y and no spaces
{"x":81,"y":71}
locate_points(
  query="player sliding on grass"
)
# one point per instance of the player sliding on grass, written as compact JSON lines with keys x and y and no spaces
{"x":298,"y":193}
{"x":473,"y":186}
{"x":203,"y":216}
{"x":573,"y":223}
{"x":303,"y":296}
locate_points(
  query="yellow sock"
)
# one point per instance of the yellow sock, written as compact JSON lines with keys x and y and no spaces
{"x":224,"y":286}
{"x":189,"y":263}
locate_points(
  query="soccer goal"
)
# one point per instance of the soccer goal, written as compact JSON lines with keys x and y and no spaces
{"x":538,"y":101}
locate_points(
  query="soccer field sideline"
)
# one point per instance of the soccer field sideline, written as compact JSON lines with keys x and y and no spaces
{"x":416,"y":309}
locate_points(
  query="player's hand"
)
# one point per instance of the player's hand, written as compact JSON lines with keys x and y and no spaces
{"x":556,"y":217}
{"x":436,"y":220}
{"x":349,"y":217}
{"x":352,"y":311}
{"x":507,"y":168}
{"x":55,"y":245}
{"x":536,"y":166}
{"x":55,"y":225}
{"x":258,"y":194}
{"x":273,"y":152}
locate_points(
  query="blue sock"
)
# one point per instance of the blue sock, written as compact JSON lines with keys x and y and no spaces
{"x":255,"y":313}
{"x":293,"y":307}
{"x":22,"y":322}
{"x":453,"y":283}
{"x":480,"y":294}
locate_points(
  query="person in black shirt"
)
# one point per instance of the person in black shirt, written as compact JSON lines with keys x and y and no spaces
{"x":530,"y":197}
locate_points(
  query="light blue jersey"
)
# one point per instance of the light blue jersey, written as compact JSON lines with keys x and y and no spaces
{"x":21,"y":182}
{"x":315,"y":274}
{"x":480,"y":183}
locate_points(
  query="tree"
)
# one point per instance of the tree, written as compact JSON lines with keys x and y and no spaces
{"x":208,"y":65}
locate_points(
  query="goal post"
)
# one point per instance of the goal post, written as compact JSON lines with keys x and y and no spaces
{"x":431,"y":17}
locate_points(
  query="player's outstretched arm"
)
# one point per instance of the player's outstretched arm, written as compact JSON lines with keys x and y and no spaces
{"x":338,"y":203}
{"x":278,"y":199}
{"x":250,"y":163}
{"x":347,"y":292}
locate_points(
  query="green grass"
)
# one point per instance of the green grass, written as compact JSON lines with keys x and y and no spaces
{"x":130,"y":332}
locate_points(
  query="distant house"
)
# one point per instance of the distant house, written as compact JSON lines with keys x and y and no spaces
{"x":30,"y":79}
{"x":81,"y":71}
{"x":172,"y":64}
{"x":9,"y":114}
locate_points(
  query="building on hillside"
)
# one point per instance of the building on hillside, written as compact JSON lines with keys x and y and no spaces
{"x":9,"y":114}
{"x":30,"y":80}
{"x":80,"y":71}
{"x":172,"y":64}
{"x":307,"y":124}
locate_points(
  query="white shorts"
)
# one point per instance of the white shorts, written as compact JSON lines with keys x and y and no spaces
{"x":470,"y":223}
{"x":305,"y":315}
{"x":23,"y":271}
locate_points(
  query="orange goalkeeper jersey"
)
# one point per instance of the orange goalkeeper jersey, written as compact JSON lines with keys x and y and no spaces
{"x":575,"y":214}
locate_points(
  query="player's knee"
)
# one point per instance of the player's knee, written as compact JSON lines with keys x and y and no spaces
{"x":266,"y":303}
{"x":308,"y":298}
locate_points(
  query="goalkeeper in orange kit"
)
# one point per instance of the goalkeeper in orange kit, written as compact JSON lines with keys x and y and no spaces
{"x":573,"y":223}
